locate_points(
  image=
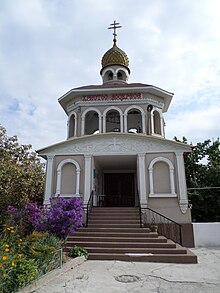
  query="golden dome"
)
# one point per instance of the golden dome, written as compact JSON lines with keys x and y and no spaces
{"x":115,"y":56}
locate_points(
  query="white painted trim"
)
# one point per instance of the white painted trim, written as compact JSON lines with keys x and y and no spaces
{"x":87,"y":178}
{"x":59,"y":174}
{"x":162,"y":195}
{"x":183,"y":200}
{"x":48,"y":186}
{"x":142,"y":180}
{"x":151,"y":177}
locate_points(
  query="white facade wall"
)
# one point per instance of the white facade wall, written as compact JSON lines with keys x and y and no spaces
{"x":206,"y":234}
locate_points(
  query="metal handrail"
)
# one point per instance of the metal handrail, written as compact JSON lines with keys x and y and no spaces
{"x":166,"y":226}
{"x":88,"y":207}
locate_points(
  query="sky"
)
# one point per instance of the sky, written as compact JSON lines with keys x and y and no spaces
{"x":48,"y":47}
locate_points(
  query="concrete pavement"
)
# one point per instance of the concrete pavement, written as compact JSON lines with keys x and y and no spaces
{"x":137,"y":277}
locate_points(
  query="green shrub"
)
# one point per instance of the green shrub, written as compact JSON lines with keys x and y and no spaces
{"x":24,"y":272}
{"x":78,"y":251}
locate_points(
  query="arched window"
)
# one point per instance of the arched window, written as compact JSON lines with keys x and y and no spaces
{"x":108,"y":75}
{"x":161,"y":175}
{"x":134,"y":121}
{"x":157,"y":122}
{"x":113,"y":121}
{"x":72,"y":125}
{"x":68,"y":178}
{"x":91,"y":122}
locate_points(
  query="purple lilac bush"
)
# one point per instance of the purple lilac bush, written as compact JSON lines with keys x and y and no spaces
{"x":62,"y":218}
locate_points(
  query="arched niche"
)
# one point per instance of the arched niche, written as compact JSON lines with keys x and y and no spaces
{"x":68,"y":170}
{"x":161,"y":175}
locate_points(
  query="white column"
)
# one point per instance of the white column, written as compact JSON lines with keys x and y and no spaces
{"x":58,"y":187}
{"x":77,"y":181}
{"x":83,"y":125}
{"x":121,"y":123}
{"x":142,"y":180}
{"x":104,"y":123}
{"x":125,"y":122}
{"x":100,"y":123}
{"x":48,"y":187}
{"x":75,"y":125}
{"x":161,"y":125}
{"x":152,"y":122}
{"x":183,"y":200}
{"x":87,"y":179}
{"x":143,"y":122}
{"x":151,"y":181}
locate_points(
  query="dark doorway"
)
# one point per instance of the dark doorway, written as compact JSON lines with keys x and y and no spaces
{"x":119,"y":189}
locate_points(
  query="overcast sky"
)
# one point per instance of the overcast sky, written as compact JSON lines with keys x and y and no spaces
{"x":48,"y":47}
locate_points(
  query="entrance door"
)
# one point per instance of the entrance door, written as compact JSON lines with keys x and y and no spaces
{"x":119,"y":189}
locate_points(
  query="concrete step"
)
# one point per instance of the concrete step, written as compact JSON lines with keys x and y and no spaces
{"x":122,"y":250}
{"x":114,"y":225}
{"x":75,"y":239}
{"x":113,"y":221}
{"x":114,"y":229}
{"x":189,"y":257}
{"x":141,"y":244}
{"x":116,"y":234}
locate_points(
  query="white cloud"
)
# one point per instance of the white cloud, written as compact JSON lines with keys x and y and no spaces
{"x":49,"y":47}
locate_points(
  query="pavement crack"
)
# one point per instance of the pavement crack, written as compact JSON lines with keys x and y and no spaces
{"x":182,"y":282}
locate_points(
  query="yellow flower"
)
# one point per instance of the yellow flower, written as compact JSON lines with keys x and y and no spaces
{"x":12,"y":228}
{"x":6,"y":245}
{"x":7,"y":249}
{"x":4,"y":274}
{"x":4,"y":225}
{"x":20,"y":240}
{"x":19,"y":254}
{"x":8,"y":229}
{"x":19,"y":244}
{"x":12,"y":231}
{"x":13,"y":263}
{"x":4,"y":257}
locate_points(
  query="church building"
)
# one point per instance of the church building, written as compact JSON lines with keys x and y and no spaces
{"x":116,"y":146}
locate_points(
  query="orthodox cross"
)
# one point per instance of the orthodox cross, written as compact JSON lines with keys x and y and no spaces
{"x":114,"y":26}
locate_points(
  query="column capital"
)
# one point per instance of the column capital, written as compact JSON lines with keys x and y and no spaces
{"x":141,"y":155}
{"x":88,"y":156}
{"x":179,"y":153}
{"x":50,"y":157}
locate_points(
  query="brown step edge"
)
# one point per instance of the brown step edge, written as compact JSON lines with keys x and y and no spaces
{"x":114,"y":225}
{"x":143,"y":244}
{"x":115,"y":234}
{"x":160,"y":239}
{"x":114,"y":229}
{"x":135,"y":250}
{"x":189,"y":258}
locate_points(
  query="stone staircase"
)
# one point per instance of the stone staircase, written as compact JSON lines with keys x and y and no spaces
{"x":115,"y":234}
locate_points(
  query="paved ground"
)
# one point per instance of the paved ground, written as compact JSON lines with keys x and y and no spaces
{"x":135,"y":277}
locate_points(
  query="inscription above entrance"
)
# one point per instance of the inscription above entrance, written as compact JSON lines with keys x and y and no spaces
{"x":113,"y":97}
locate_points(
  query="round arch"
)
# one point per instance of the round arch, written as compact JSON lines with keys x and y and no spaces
{"x":72,"y":124}
{"x":84,"y":115}
{"x":171,"y":175}
{"x":59,"y":174}
{"x":134,"y":107}
{"x":105,"y":114}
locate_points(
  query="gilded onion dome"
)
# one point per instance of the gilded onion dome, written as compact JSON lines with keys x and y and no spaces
{"x":115,"y":56}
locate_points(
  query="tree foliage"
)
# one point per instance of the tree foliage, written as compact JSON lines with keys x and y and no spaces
{"x":21,"y":173}
{"x":203,"y":176}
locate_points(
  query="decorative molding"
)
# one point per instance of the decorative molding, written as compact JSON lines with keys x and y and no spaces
{"x":114,"y":143}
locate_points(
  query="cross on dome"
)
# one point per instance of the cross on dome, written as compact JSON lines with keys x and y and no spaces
{"x":114,"y":26}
